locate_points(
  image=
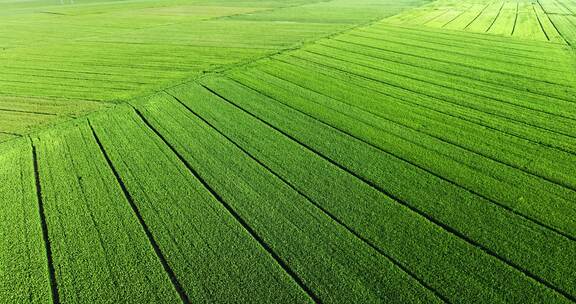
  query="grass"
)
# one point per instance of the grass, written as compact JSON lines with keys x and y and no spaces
{"x":520,"y":19}
{"x":198,"y":237}
{"x":81,"y":197}
{"x":287,"y":151}
{"x":24,"y":273}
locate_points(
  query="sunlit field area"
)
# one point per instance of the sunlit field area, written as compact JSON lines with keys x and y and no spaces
{"x":288,"y":151}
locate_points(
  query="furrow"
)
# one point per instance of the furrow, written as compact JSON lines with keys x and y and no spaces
{"x":232,"y":212}
{"x":313,"y":202}
{"x":419,"y":166}
{"x":128,"y":196}
{"x":44,"y":224}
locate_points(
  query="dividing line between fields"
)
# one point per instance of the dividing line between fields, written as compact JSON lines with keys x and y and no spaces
{"x":151,"y":239}
{"x":548,"y":179}
{"x":429,"y":171}
{"x":479,"y":14}
{"x":557,"y":182}
{"x":399,"y":200}
{"x":439,"y":71}
{"x":447,"y":72}
{"x":540,"y":21}
{"x":314,"y":203}
{"x":553,"y":24}
{"x":44,"y":224}
{"x":495,"y":18}
{"x":230,"y":210}
{"x":410,"y":103}
{"x":27,"y":112}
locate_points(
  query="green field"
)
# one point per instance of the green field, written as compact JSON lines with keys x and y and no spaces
{"x":297,"y":151}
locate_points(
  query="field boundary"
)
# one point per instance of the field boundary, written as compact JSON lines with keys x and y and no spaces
{"x":171,"y":274}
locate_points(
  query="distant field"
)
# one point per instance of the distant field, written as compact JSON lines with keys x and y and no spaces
{"x":521,"y":19}
{"x":93,"y":54}
{"x":341,"y":151}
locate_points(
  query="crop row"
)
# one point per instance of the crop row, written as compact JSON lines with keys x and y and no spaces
{"x":322,"y":151}
{"x":482,"y":40}
{"x":96,"y":242}
{"x":525,"y":20}
{"x":553,"y":156}
{"x":476,"y":172}
{"x":207,"y":249}
{"x":482,"y":83}
{"x":521,"y":67}
{"x":328,"y":259}
{"x":23,"y":260}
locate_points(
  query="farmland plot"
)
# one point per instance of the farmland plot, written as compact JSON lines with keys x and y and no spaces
{"x":213,"y":258}
{"x":23,"y":264}
{"x":288,"y":152}
{"x":111,"y":52}
{"x":522,"y":19}
{"x":567,"y":26}
{"x":402,"y":175}
{"x":285,"y":221}
{"x":317,"y":177}
{"x":468,"y":160}
{"x":97,"y":243}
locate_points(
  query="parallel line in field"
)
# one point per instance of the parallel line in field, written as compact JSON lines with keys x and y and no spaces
{"x":456,"y":17}
{"x":559,"y":14}
{"x":494,"y":60}
{"x":79,"y":78}
{"x":169,"y":272}
{"x":447,"y":72}
{"x":449,"y":42}
{"x":436,"y":17}
{"x":314,"y":203}
{"x":431,"y":96}
{"x":554,"y":25}
{"x":477,"y":16}
{"x":431,"y":219}
{"x":180,"y":44}
{"x":53,"y":13}
{"x":56,"y":97}
{"x":446,"y":141}
{"x":44,"y":225}
{"x":559,"y":183}
{"x":515,"y":19}
{"x":540,"y":22}
{"x":468,"y":36}
{"x":118,"y":57}
{"x":28,"y":112}
{"x":408,"y":101}
{"x":157,"y":61}
{"x":97,"y":64}
{"x":495,"y":18}
{"x":429,"y":171}
{"x":72,"y":71}
{"x":434,"y":97}
{"x":137,"y":52}
{"x":52,"y":84}
{"x":11,"y":133}
{"x":231,"y":210}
